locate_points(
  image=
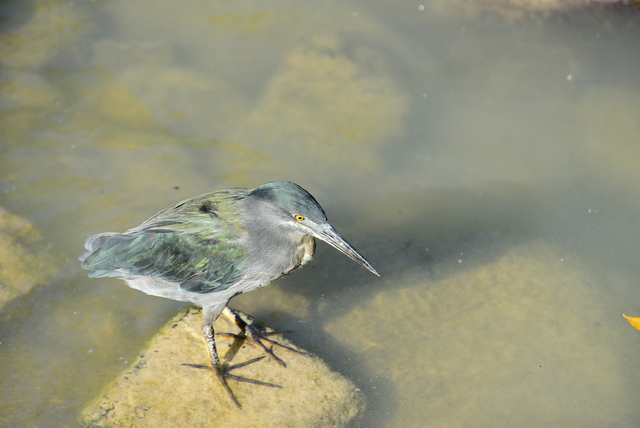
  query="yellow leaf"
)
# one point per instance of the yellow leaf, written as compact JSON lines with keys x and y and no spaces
{"x":635,"y":321}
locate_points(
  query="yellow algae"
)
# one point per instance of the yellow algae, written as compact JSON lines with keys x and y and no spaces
{"x":118,"y":104}
{"x":260,"y":23}
{"x":53,"y":27}
{"x":357,"y":135}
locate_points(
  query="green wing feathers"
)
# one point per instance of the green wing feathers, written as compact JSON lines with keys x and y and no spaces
{"x":195,"y":244}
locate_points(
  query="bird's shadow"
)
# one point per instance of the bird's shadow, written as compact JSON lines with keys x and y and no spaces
{"x":380,"y":392}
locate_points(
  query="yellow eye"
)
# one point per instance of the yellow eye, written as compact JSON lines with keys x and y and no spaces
{"x":298,"y":217}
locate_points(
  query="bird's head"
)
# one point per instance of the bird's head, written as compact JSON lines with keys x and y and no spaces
{"x":292,"y":207}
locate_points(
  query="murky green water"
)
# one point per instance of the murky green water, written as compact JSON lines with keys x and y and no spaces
{"x":487,"y":166}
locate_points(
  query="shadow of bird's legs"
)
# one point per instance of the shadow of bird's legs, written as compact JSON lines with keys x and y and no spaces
{"x":223,"y":371}
{"x":256,"y":336}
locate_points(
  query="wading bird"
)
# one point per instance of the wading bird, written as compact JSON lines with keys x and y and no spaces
{"x":210,"y":248}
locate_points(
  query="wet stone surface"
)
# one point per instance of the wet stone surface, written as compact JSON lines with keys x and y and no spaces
{"x":157,"y":388}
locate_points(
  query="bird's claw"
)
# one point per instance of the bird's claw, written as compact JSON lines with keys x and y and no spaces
{"x":224,"y":373}
{"x":257,"y":337}
{"x":260,"y":340}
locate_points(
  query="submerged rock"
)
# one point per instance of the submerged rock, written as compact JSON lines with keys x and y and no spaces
{"x":338,"y":102}
{"x":21,"y":267}
{"x":527,"y":338}
{"x":157,"y":388}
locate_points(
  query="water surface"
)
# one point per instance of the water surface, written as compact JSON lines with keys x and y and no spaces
{"x":485,"y":163}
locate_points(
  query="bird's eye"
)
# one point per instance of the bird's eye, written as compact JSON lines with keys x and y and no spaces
{"x":298,"y":217}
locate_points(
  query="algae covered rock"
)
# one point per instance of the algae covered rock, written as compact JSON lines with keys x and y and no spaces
{"x":157,"y":389}
{"x":21,"y":267}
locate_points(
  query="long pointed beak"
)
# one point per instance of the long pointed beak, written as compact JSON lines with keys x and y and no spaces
{"x":329,"y":235}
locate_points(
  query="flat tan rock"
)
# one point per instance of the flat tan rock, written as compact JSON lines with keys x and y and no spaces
{"x":158,"y":390}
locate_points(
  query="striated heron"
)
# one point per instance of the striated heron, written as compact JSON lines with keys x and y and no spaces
{"x":210,"y":248}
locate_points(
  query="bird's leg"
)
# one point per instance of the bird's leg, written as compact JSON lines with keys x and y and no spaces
{"x":257,"y":336}
{"x":223,"y":370}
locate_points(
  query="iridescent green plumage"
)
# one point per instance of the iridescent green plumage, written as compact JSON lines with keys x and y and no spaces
{"x":210,"y":248}
{"x":196,"y":244}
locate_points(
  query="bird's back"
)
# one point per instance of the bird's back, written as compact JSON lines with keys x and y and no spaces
{"x":196,"y":246}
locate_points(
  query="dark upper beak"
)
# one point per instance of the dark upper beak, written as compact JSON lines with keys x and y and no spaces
{"x":329,"y":235}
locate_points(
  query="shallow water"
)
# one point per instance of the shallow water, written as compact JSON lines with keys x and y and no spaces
{"x":451,"y":147}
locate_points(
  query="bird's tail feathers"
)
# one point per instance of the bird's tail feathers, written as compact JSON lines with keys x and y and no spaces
{"x":94,"y":243}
